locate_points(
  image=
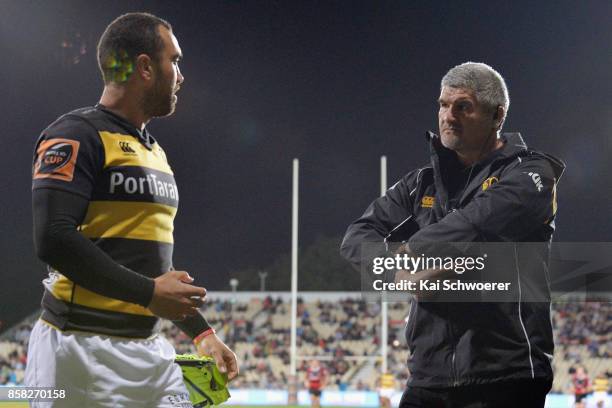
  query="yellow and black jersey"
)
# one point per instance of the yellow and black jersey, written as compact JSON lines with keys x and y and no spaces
{"x":133,"y":198}
{"x":387,"y":381}
{"x":600,"y":384}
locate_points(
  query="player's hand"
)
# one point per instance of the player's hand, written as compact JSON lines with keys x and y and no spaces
{"x":174,"y":297}
{"x":225,"y":358}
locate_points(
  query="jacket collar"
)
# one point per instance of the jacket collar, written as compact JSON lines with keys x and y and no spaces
{"x":443,"y":159}
{"x":514,"y":145}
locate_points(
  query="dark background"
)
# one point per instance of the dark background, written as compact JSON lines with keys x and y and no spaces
{"x":335,"y":83}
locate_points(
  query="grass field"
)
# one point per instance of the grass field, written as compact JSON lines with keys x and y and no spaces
{"x":25,"y":405}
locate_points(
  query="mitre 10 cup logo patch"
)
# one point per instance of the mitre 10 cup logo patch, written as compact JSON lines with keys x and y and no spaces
{"x":56,"y":159}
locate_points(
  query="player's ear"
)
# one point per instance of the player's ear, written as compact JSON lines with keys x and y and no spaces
{"x":144,"y":67}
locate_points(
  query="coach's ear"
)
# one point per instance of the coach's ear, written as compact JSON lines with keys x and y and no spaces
{"x":499,"y":116}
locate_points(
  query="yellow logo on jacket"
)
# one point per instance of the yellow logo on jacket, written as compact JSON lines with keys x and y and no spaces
{"x":427,"y":201}
{"x":489,"y":182}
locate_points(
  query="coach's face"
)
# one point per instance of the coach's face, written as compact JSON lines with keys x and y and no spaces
{"x":162,"y":97}
{"x":464,"y":123}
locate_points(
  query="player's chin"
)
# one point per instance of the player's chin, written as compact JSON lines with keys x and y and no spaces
{"x":171,"y":110}
{"x":168,"y":109}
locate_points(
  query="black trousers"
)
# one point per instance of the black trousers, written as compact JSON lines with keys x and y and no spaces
{"x":508,"y":394}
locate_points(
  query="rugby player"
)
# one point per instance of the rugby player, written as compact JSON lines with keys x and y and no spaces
{"x":601,"y":399}
{"x":386,"y":388}
{"x":316,"y":379}
{"x":581,"y":386}
{"x":104,"y":200}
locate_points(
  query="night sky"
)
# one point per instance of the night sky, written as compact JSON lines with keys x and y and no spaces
{"x":334,"y":83}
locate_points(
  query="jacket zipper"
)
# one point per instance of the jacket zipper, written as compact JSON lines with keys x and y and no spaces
{"x":455,"y":381}
{"x":454,"y":368}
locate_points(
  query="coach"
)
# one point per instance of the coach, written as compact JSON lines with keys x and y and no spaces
{"x":481,"y":186}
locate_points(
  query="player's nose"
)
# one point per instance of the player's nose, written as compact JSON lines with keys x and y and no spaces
{"x":180,"y":78}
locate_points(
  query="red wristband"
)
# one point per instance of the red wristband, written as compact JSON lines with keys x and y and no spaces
{"x":201,"y":336}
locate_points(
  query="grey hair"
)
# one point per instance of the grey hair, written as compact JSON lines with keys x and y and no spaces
{"x":487,"y":84}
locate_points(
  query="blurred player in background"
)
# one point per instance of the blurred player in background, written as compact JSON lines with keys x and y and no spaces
{"x":386,"y":388}
{"x":601,"y":384}
{"x":104,"y":200}
{"x":581,"y":386}
{"x":316,"y":380}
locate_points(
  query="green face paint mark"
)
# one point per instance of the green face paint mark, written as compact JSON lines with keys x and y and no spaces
{"x":118,"y":67}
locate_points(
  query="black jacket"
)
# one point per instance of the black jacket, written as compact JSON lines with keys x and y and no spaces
{"x":510,"y":196}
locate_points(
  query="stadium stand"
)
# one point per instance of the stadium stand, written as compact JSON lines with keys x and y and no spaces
{"x":340,"y":329}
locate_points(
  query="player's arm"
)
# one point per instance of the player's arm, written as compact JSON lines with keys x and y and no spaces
{"x":381,"y":217}
{"x":324,"y":379}
{"x":67,"y":161}
{"x":208,"y":344}
{"x":56,"y":216}
{"x":589,"y":387}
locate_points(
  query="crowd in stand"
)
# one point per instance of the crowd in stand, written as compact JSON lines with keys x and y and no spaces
{"x":12,"y":363}
{"x":583,"y":324}
{"x":577,"y":326}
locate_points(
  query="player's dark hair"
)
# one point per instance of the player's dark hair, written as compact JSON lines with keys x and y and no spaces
{"x":124,"y":39}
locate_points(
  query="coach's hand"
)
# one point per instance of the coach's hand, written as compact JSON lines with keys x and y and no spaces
{"x":425,"y":274}
{"x":174,"y":297}
{"x":225,"y":358}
